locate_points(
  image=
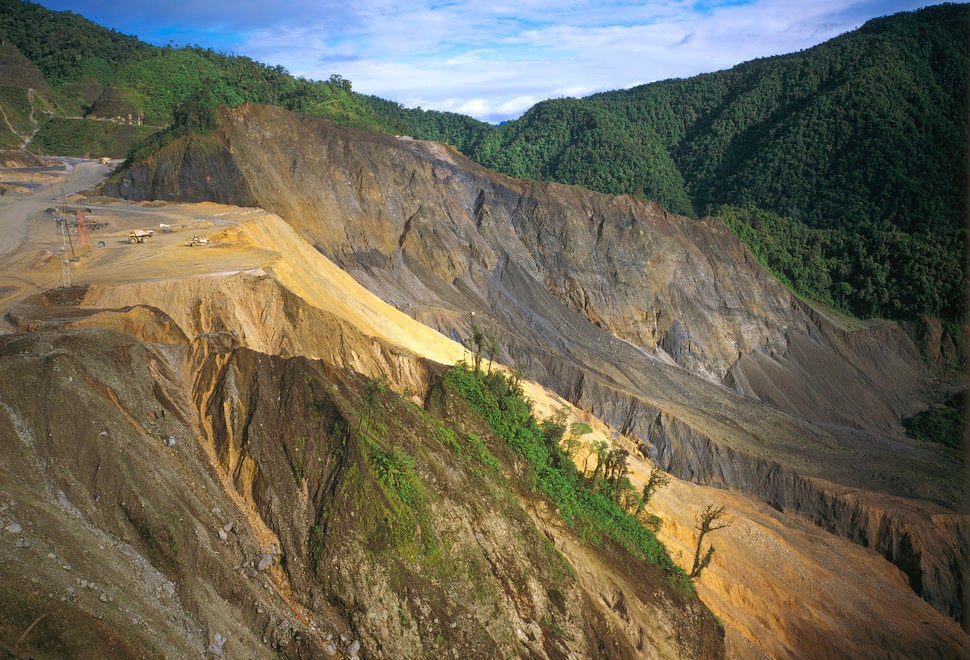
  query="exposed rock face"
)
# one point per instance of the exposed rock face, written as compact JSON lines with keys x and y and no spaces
{"x":434,"y":233}
{"x":193,"y":169}
{"x":250,"y":345}
{"x":639,"y":316}
{"x":283,"y":539}
{"x":232,"y":425}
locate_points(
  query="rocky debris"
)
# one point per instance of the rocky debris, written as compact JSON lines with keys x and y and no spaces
{"x":215,"y":646}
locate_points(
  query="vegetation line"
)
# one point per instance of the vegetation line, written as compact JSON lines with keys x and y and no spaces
{"x":600,"y":507}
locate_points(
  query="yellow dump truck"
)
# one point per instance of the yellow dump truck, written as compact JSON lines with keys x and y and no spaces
{"x":140,"y":235}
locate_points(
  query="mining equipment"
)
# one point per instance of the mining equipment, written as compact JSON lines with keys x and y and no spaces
{"x":140,"y":235}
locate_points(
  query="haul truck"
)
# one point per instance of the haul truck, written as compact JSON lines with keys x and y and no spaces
{"x":140,"y":235}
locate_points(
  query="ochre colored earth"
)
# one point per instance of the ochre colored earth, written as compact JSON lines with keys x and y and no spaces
{"x":840,"y":523}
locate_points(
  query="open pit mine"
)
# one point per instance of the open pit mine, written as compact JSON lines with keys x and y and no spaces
{"x":240,"y":438}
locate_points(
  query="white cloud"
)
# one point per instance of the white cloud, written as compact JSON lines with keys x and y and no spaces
{"x":493,"y":60}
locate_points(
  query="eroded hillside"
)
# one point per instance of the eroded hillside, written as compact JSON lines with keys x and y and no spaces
{"x":663,"y":327}
{"x":199,"y":469}
{"x":255,"y":354}
{"x":283,"y":537}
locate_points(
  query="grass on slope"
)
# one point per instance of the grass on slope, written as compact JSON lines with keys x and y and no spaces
{"x":80,"y":137}
{"x":585,"y":508}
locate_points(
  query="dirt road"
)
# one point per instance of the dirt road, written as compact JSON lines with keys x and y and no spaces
{"x":34,"y":255}
{"x":17,"y":212}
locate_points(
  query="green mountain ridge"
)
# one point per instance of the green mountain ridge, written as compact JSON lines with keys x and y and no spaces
{"x":862,"y":137}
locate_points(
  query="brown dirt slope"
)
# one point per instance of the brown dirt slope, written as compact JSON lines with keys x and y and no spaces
{"x":261,"y":288}
{"x":285,"y":537}
{"x":618,"y":306}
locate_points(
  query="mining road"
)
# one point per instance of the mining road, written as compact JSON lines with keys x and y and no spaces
{"x":18,"y":211}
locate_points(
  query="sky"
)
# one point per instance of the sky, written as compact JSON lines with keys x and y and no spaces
{"x":491,"y":59}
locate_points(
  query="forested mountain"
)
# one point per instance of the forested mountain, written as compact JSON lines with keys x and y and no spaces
{"x":841,"y":166}
{"x":94,"y":70}
{"x":867,"y":126}
{"x":854,"y":150}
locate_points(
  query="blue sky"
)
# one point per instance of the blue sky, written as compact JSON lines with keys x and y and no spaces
{"x":491,"y":59}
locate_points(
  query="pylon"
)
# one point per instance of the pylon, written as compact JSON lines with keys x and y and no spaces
{"x":82,"y":230}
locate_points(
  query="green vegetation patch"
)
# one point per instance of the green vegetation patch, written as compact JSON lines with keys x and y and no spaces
{"x":944,"y":424}
{"x":587,"y":509}
{"x":23,"y":111}
{"x":118,"y":102}
{"x":401,"y":514}
{"x":865,"y":270}
{"x":86,"y":137}
{"x":16,"y":106}
{"x":405,"y":514}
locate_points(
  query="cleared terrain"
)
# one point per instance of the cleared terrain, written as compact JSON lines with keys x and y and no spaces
{"x":780,"y":583}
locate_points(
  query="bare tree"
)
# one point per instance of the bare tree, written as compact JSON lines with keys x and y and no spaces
{"x":709,"y":520}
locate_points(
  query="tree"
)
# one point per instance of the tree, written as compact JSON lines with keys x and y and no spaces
{"x":337,"y":80}
{"x":518,"y":373}
{"x":615,"y":473}
{"x":601,"y":450}
{"x":709,"y":520}
{"x":493,"y":348}
{"x":478,"y":343}
{"x":658,"y":479}
{"x":554,"y":428}
{"x":197,"y":113}
{"x":573,"y":439}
